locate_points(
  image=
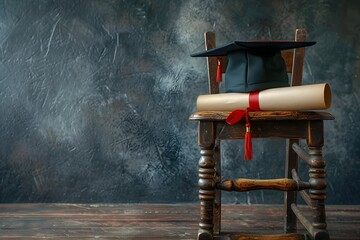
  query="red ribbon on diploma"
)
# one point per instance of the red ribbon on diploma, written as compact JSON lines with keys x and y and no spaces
{"x":236,"y":115}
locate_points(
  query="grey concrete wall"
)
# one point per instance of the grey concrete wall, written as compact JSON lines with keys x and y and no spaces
{"x":95,"y":96}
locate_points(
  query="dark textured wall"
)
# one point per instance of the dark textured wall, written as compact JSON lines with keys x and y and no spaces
{"x":95,"y":96}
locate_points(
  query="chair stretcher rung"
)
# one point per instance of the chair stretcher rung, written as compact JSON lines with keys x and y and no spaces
{"x":305,"y":196}
{"x":304,"y":221}
{"x":282,"y":184}
{"x":302,"y":154}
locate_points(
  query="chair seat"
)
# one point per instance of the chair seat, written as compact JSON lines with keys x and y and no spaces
{"x":263,"y":115}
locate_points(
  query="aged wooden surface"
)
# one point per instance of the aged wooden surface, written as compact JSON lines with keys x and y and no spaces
{"x":293,"y":236}
{"x":206,"y":179}
{"x":242,"y":184}
{"x":291,"y":161}
{"x":264,"y":115}
{"x":212,"y":62}
{"x":217,"y":204}
{"x":263,"y":129}
{"x":154,"y":221}
{"x":288,"y":58}
{"x":210,"y":42}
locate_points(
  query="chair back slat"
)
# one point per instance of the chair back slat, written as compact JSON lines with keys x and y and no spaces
{"x":298,"y":59}
{"x":210,"y":43}
{"x":288,"y":58}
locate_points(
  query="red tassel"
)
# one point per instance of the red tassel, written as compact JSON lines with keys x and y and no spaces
{"x":219,"y":71}
{"x":248,"y":153}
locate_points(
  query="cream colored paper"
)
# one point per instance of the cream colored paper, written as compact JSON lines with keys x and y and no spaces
{"x":306,"y":97}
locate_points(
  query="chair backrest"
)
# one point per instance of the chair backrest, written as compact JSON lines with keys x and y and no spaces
{"x":294,"y":60}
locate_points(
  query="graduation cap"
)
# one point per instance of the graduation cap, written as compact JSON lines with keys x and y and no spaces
{"x":253,"y":65}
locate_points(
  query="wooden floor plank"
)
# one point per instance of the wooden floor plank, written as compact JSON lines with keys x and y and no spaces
{"x":153,"y":221}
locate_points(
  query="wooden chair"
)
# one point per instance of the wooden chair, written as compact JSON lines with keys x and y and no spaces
{"x":292,"y":125}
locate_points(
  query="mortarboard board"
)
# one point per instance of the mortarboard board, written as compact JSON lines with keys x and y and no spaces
{"x":254,"y":65}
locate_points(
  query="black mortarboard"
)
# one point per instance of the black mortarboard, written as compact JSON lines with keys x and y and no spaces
{"x":254,"y":65}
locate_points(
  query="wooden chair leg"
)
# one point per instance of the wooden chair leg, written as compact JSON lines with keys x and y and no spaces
{"x":290,"y":197}
{"x":206,"y":180}
{"x":217,"y":207}
{"x":317,"y":191}
{"x":206,"y":193}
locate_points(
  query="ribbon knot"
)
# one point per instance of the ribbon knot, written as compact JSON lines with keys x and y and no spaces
{"x":236,"y":116}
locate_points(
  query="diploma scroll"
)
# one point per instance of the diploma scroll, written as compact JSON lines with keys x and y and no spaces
{"x":298,"y":98}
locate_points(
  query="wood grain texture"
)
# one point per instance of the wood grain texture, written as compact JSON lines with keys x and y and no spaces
{"x":317,"y":180}
{"x":154,"y":221}
{"x":206,"y":180}
{"x":291,"y":162}
{"x":288,"y":58}
{"x":217,"y":203}
{"x":242,"y":184}
{"x":304,"y":221}
{"x":263,"y":129}
{"x":293,"y":236}
{"x":263,"y":115}
{"x":290,"y":197}
{"x":298,"y":59}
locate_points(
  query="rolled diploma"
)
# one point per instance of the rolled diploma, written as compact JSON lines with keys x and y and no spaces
{"x":298,"y":98}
